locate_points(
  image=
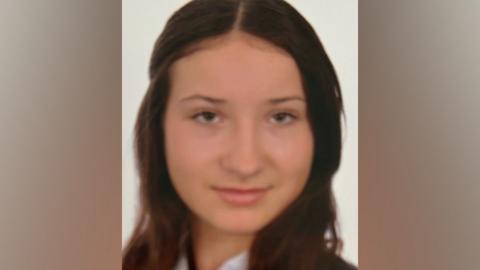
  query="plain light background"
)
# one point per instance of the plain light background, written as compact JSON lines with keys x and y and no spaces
{"x":336,"y":23}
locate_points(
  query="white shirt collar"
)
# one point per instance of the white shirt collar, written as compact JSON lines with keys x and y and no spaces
{"x":237,"y":262}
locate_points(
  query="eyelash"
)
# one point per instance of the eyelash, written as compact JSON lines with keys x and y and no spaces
{"x":290,"y":116}
{"x":197,"y":117}
{"x":209,"y":117}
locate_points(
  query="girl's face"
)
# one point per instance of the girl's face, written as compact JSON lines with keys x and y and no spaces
{"x":238,"y":142}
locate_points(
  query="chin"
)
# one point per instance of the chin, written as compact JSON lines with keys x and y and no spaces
{"x":235,"y":225}
{"x":239,"y":230}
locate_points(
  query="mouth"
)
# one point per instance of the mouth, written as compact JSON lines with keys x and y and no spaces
{"x":241,"y":196}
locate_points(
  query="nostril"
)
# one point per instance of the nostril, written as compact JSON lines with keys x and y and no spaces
{"x":247,"y":172}
{"x":243,"y":165}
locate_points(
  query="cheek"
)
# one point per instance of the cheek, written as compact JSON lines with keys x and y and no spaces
{"x":292,"y":149}
{"x":186,"y":159}
{"x":190,"y":152}
{"x":185,"y":145}
{"x":293,"y":155}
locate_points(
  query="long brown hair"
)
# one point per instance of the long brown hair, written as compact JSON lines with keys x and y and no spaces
{"x":304,"y":235}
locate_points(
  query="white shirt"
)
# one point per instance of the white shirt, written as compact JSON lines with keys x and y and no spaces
{"x":237,"y":262}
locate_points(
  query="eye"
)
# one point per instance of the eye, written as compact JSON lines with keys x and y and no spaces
{"x":206,"y":117}
{"x":283,"y":118}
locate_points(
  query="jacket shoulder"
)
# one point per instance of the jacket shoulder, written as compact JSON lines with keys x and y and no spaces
{"x":338,"y":263}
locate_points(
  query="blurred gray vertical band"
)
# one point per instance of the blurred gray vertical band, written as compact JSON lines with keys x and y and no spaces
{"x":419,"y":91}
{"x":60,"y":142}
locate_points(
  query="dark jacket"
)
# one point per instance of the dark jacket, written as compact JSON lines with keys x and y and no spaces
{"x":339,"y":264}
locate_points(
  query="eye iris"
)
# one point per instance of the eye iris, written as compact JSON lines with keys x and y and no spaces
{"x":208,"y":116}
{"x":281,"y":117}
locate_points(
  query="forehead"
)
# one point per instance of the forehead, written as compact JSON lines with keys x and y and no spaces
{"x":236,"y":66}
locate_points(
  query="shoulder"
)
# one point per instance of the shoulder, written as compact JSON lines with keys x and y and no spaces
{"x":338,"y":263}
{"x":341,"y":264}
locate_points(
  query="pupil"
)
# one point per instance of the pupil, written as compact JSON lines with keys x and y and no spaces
{"x":209,"y":116}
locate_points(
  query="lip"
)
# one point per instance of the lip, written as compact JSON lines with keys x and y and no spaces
{"x":241,"y":196}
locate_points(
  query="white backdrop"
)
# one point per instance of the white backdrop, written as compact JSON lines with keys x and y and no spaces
{"x":336,"y":23}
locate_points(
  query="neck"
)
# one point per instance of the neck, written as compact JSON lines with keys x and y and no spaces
{"x":212,"y":247}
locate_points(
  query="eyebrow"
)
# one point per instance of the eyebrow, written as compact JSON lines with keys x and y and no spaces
{"x":213,"y":100}
{"x":204,"y":98}
{"x":286,"y":99}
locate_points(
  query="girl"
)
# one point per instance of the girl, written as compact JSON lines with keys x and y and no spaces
{"x":237,"y":140}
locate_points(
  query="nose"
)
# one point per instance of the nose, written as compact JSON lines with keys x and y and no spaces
{"x":243,"y":158}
